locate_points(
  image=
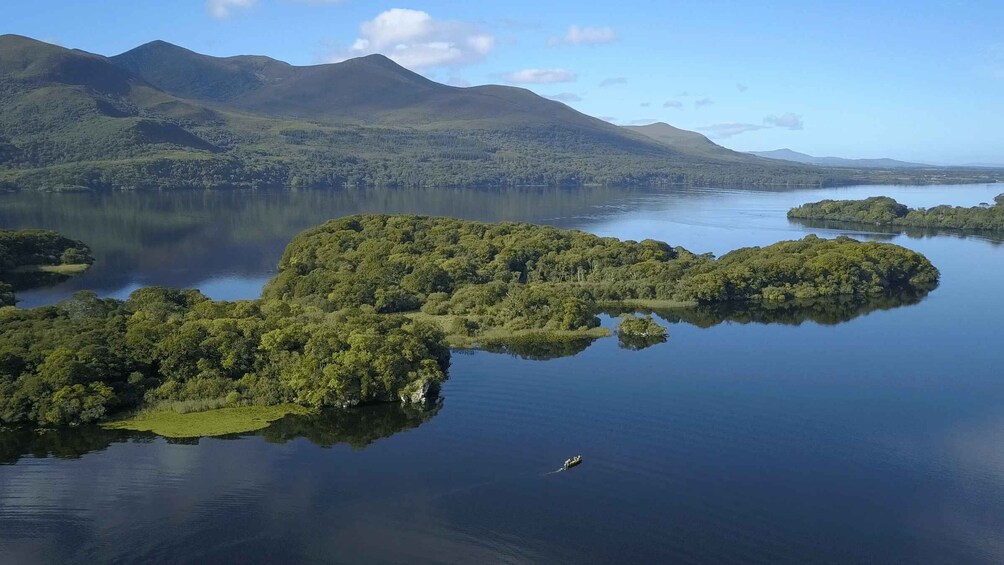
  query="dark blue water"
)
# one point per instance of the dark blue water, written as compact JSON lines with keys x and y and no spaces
{"x":875,"y":440}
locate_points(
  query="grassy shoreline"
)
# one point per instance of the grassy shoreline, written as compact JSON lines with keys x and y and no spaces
{"x":62,"y":269}
{"x":208,"y":423}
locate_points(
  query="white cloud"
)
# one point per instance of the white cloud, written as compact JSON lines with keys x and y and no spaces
{"x":585,"y":36}
{"x":787,"y":121}
{"x":222,"y":9}
{"x":612,"y":81}
{"x":703,"y":102}
{"x":643,"y":121}
{"x":540,"y":76}
{"x":566,"y":97}
{"x":672,"y":104}
{"x":416,"y":40}
{"x":725,"y":130}
{"x":458,"y":81}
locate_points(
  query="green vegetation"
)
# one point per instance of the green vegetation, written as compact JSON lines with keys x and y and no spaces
{"x":83,"y":359}
{"x":217,"y":422}
{"x":31,"y":258}
{"x":360,"y":310}
{"x":358,"y":428}
{"x":884,"y":211}
{"x":522,"y":276}
{"x":163,"y":117}
{"x":634,"y":332}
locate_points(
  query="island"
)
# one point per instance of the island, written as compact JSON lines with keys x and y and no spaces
{"x":365,"y":309}
{"x":30,"y":258}
{"x":885,"y":211}
{"x":638,"y":332}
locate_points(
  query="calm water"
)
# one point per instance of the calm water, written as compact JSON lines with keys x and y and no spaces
{"x":877,"y":440}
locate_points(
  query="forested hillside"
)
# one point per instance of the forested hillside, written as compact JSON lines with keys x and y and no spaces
{"x":160,"y":116}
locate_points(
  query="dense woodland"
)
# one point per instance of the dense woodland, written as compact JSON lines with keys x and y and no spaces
{"x":79,"y":360}
{"x":25,"y":253}
{"x":361,"y":306}
{"x":525,"y":276}
{"x":884,"y":211}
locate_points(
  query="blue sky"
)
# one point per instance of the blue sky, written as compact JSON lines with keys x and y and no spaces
{"x":920,"y":81}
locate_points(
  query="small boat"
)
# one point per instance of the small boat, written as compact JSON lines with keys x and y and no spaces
{"x":569,"y":463}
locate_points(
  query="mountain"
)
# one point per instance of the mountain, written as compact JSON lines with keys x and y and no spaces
{"x":161,"y":116}
{"x":689,"y":141}
{"x":796,"y":157}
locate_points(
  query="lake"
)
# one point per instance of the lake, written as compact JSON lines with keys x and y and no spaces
{"x":860,"y":436}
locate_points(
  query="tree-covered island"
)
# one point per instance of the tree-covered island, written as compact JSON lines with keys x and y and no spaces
{"x":365,"y":308}
{"x":31,"y":258}
{"x":885,"y":211}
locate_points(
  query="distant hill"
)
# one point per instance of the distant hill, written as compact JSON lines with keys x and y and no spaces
{"x":690,"y":141}
{"x":796,"y":157}
{"x":161,"y":116}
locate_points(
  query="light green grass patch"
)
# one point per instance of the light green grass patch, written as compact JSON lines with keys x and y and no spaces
{"x":65,"y":269}
{"x":222,"y":421}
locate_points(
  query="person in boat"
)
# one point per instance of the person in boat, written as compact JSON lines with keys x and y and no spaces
{"x":569,"y":463}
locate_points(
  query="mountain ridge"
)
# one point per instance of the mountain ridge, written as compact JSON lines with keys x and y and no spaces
{"x":804,"y":158}
{"x":162,"y":116}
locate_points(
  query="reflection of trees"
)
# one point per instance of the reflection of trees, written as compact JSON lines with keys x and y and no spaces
{"x":827,"y":312}
{"x":357,"y":427}
{"x":539,"y":348}
{"x":68,"y":443}
{"x":888,"y":232}
{"x":33,"y":279}
{"x":638,"y":342}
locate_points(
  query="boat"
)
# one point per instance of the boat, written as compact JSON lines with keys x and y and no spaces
{"x":569,"y":463}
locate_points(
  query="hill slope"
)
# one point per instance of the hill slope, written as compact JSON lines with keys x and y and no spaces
{"x":688,"y":141}
{"x":796,"y":157}
{"x":160,"y":116}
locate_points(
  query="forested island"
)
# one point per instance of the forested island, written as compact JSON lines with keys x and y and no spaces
{"x":365,"y":308}
{"x":30,"y":258}
{"x":885,"y":211}
{"x":638,"y":332}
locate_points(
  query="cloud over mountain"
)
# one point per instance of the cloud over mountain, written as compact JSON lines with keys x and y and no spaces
{"x":786,"y":121}
{"x":540,"y":76}
{"x":728,"y":129}
{"x":416,"y":40}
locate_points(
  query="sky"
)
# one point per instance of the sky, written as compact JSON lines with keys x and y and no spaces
{"x":918,"y":81}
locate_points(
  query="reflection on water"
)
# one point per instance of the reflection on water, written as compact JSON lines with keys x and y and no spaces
{"x":825,"y":311}
{"x":824,"y":432}
{"x":539,"y":349}
{"x":881,"y":232}
{"x":356,"y":427}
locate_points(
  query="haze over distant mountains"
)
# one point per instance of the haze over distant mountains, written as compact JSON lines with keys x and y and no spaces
{"x":161,"y":116}
{"x":796,"y":157}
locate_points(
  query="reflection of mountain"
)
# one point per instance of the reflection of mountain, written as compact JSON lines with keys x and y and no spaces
{"x":357,"y":427}
{"x":181,"y":238}
{"x":873,"y":230}
{"x":825,"y":312}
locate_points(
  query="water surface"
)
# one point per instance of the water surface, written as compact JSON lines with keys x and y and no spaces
{"x":872,"y":437}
